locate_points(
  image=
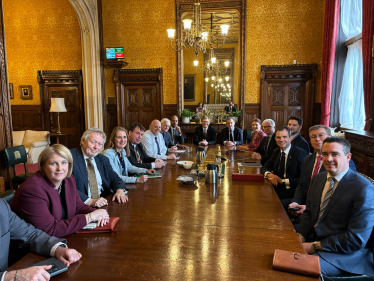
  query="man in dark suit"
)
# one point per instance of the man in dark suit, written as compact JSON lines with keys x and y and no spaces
{"x":284,"y":167}
{"x":231,"y":135}
{"x":295,"y":124}
{"x":165,"y":126}
{"x":230,"y":107}
{"x":94,"y":176}
{"x":138,"y":157}
{"x":13,"y":228}
{"x":176,"y":133}
{"x":265,"y":150}
{"x":312,"y":165}
{"x":339,"y":216}
{"x":204,"y":134}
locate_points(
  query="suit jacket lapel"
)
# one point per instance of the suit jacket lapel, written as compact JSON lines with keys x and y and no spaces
{"x":82,"y":167}
{"x":339,"y":191}
{"x":100,"y":167}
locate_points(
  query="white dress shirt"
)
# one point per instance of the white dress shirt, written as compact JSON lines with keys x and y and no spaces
{"x":150,"y":146}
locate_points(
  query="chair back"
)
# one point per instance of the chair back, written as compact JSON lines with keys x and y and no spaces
{"x":8,"y":195}
{"x":248,"y":135}
{"x":14,"y":155}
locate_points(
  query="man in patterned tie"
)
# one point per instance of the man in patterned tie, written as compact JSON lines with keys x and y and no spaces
{"x":94,"y":176}
{"x":339,"y":216}
{"x":312,"y":165}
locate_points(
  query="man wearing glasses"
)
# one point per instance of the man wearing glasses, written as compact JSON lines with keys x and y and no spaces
{"x":205,"y":135}
{"x":265,"y":150}
{"x":312,"y":165}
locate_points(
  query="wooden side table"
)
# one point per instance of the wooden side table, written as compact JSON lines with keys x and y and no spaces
{"x":57,"y":136}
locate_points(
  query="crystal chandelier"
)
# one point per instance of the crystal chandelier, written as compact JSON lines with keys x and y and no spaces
{"x":212,"y":65}
{"x":196,"y":35}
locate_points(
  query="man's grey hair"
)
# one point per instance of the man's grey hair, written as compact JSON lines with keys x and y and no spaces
{"x":165,"y":120}
{"x":205,"y":117}
{"x":317,"y":127}
{"x":93,"y":130}
{"x":230,"y":118}
{"x":271,"y":121}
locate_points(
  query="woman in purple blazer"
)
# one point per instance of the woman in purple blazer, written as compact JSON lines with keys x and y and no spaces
{"x":49,"y":199}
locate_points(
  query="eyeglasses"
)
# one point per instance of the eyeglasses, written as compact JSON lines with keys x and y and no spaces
{"x":265,"y":127}
{"x":320,"y":136}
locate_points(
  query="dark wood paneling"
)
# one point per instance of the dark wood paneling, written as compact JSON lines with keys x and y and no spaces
{"x":169,"y":110}
{"x":26,"y":117}
{"x":65,"y":84}
{"x":252,"y":111}
{"x":362,"y":151}
{"x":288,"y":90}
{"x":111,"y":118}
{"x":139,"y":94}
{"x":317,"y":113}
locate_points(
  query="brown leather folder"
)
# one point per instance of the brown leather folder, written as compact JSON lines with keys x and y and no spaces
{"x":247,"y":177}
{"x":296,"y":263}
{"x":109,"y":227}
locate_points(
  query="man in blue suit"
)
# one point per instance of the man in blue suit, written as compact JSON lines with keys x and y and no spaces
{"x":339,"y":216}
{"x":231,"y":135}
{"x":295,"y":124}
{"x":284,"y":167}
{"x":312,"y":165}
{"x":93,"y":173}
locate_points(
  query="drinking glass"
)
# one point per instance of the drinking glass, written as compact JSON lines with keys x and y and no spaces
{"x":189,"y":149}
{"x":241,"y":168}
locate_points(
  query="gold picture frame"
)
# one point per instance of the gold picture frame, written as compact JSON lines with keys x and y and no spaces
{"x":11,"y":92}
{"x":25,"y":92}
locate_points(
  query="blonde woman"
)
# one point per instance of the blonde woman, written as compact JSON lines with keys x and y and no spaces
{"x":117,"y":152}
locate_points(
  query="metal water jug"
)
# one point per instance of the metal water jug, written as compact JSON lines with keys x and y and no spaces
{"x":200,"y":154}
{"x":211,"y":173}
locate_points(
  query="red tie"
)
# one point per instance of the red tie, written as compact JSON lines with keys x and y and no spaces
{"x":316,"y":169}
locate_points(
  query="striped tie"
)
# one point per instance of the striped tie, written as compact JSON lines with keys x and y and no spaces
{"x":326,"y":200}
{"x":316,"y":170}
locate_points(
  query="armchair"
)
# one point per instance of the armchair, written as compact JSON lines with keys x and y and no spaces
{"x":33,"y":141}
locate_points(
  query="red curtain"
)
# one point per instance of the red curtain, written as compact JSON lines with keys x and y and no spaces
{"x":330,"y":30}
{"x":367,"y":42}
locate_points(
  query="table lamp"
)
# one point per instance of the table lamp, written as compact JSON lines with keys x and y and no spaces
{"x":58,"y":105}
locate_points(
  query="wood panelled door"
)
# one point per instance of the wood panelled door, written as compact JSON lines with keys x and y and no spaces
{"x":288,"y":90}
{"x":139,"y":95}
{"x":67,"y":85}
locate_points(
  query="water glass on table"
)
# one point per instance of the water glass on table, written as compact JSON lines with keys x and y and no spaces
{"x":218,"y":163}
{"x":241,"y":168}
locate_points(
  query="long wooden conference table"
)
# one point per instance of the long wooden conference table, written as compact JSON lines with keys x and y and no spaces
{"x":173,"y":231}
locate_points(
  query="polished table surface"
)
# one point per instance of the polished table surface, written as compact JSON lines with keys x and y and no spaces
{"x":172,"y":231}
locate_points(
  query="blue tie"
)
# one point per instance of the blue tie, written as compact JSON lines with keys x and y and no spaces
{"x":158,"y":146}
{"x":122,"y":162}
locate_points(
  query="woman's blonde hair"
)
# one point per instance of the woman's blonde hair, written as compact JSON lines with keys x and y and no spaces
{"x":59,"y":149}
{"x":113,"y":136}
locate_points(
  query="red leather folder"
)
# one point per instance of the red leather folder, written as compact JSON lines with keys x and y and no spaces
{"x":109,"y":227}
{"x":247,"y":177}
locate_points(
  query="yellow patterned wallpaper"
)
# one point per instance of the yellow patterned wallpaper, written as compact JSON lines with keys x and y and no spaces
{"x":140,"y":27}
{"x":40,"y":35}
{"x":278,"y":32}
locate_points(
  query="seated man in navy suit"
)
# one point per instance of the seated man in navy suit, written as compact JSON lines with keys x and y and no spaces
{"x":93,"y":173}
{"x":205,"y":135}
{"x":165,"y":126}
{"x":295,"y":124}
{"x":339,"y":216}
{"x":312,"y":165}
{"x":176,"y":133}
{"x":231,"y":135}
{"x":284,"y":167}
{"x":138,"y":157}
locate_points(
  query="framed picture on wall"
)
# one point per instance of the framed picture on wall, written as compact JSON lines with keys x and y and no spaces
{"x":189,"y":87}
{"x":11,"y":92}
{"x":25,"y":92}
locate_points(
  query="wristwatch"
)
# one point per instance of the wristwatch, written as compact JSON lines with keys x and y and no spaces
{"x":315,"y":246}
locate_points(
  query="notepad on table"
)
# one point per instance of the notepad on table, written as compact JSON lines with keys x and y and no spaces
{"x":155,"y":175}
